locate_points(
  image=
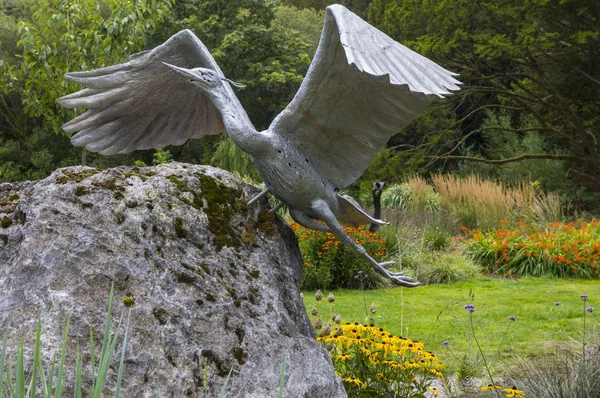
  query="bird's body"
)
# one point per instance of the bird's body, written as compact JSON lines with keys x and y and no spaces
{"x":361,"y":88}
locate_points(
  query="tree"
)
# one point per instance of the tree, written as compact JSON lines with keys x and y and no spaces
{"x":536,"y":59}
{"x":62,"y":36}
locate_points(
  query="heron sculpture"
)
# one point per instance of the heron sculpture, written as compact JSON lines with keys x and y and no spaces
{"x":361,"y":88}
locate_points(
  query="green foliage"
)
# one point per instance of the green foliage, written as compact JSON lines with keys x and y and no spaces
{"x":162,"y":156}
{"x":537,"y":60}
{"x":329,"y":264}
{"x":307,"y":22}
{"x":59,"y":37}
{"x":74,"y":35}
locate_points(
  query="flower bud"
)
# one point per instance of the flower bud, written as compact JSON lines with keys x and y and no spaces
{"x":314,"y":311}
{"x":330,"y":298}
{"x":318,"y":324}
{"x":318,"y":295}
{"x":373,"y":308}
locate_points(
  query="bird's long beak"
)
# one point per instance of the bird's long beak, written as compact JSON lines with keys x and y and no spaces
{"x":201,"y":76}
{"x":187,"y":73}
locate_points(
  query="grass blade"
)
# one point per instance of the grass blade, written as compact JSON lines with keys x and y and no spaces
{"x":108,"y":317}
{"x":206,"y":378}
{"x":224,"y":388}
{"x":20,"y":372}
{"x":282,"y":376}
{"x":31,"y":391}
{"x":105,"y":361}
{"x":77,"y":392}
{"x":121,"y":366}
{"x":92,"y":359}
{"x":46,"y":388}
{"x":2,"y":360}
{"x":60,"y":378}
{"x":51,"y":375}
{"x":9,"y":385}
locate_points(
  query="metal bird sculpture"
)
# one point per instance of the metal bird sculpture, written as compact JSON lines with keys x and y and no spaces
{"x":361,"y":88}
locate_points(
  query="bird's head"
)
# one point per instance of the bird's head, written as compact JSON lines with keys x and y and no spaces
{"x":203,"y":78}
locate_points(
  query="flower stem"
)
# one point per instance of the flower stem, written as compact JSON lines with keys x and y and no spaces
{"x":482,"y":355}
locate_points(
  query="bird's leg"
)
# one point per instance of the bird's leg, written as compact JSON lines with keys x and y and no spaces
{"x":306,"y":221}
{"x":257,"y":197}
{"x":324,"y":212}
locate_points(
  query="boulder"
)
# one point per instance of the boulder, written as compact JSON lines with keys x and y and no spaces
{"x":215,"y":281}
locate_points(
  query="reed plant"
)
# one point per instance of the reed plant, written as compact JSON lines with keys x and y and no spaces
{"x":21,"y":377}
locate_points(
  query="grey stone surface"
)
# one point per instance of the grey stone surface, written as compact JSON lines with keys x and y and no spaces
{"x":215,"y":281}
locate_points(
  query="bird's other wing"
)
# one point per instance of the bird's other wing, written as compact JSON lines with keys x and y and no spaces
{"x":361,"y":88}
{"x":144,"y":104}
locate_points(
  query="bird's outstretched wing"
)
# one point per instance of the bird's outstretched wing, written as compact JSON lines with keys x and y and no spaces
{"x":143,"y":104}
{"x":361,"y":88}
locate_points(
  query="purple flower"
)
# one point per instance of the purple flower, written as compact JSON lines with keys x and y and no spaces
{"x":366,"y":276}
{"x":470,"y":308}
{"x":356,"y":277}
{"x":589,"y":309}
{"x":584,"y":297}
{"x":557,"y":303}
{"x":360,"y":272}
{"x":445,"y":343}
{"x":512,"y":318}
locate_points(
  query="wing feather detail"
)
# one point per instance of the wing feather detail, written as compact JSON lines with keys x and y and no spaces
{"x":361,"y":88}
{"x":143,"y":104}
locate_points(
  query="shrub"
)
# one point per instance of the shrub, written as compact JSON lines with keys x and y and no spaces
{"x":329,"y":264}
{"x":571,"y":249}
{"x":374,"y":363}
{"x":442,"y":267}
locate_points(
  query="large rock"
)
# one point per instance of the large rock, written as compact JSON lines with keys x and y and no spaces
{"x":215,"y":281}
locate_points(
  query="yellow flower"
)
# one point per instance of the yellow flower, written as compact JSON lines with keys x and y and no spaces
{"x":342,"y":357}
{"x":513,"y":393}
{"x":490,"y":388}
{"x":435,"y":391}
{"x":355,"y":381}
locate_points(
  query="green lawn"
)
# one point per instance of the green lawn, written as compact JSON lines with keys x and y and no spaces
{"x":434,"y":314}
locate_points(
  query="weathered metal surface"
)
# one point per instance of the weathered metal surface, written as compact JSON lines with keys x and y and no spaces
{"x":361,"y":88}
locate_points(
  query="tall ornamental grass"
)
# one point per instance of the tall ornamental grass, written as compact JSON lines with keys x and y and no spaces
{"x":472,"y":201}
{"x":478,"y":202}
{"x":571,"y":249}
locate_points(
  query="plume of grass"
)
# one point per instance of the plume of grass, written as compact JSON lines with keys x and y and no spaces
{"x":479,"y":202}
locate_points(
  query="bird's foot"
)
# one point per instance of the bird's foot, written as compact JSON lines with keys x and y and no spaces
{"x":397,"y":277}
{"x":403,"y":280}
{"x":386,"y":264}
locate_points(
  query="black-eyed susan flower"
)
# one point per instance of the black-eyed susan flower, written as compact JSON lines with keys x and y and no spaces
{"x":490,"y":387}
{"x":514,"y":392}
{"x":354,"y":380}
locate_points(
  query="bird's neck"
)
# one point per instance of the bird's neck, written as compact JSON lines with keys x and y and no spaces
{"x":237,"y":123}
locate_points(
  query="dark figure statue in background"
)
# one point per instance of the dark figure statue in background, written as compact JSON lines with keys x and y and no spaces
{"x":361,"y":88}
{"x":376,"y":191}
